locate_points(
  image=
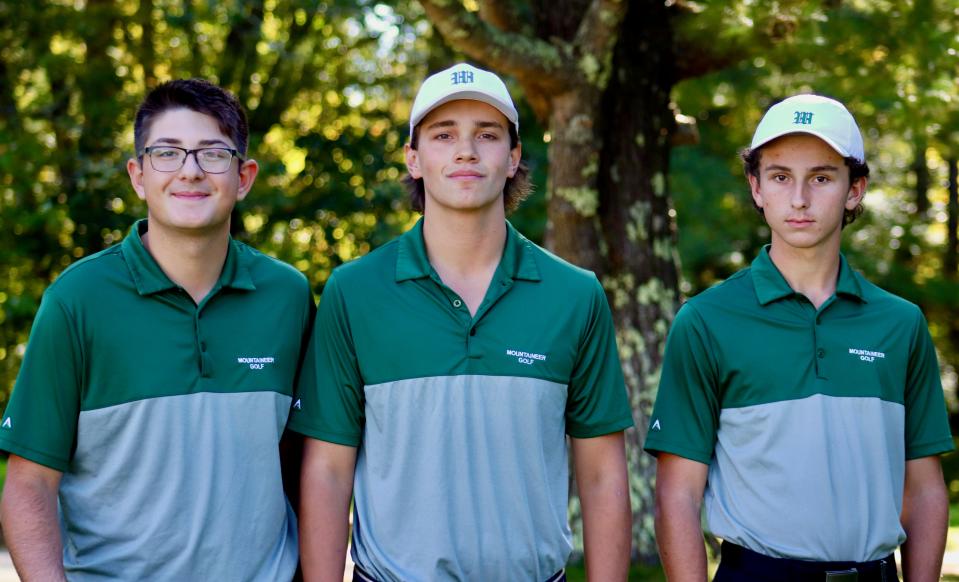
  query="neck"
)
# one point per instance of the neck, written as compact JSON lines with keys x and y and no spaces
{"x":465,"y":251}
{"x":811,"y":272}
{"x":464,"y":244}
{"x":194,"y":262}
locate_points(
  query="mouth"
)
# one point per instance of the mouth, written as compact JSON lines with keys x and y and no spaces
{"x":190,"y":195}
{"x":799,"y":222}
{"x":465,"y":175}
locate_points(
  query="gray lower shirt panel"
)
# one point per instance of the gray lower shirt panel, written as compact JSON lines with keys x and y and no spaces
{"x":819,"y":478}
{"x":463,"y":478}
{"x":179,"y":488}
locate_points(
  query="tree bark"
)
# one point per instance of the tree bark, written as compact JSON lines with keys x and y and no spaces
{"x":951,"y":262}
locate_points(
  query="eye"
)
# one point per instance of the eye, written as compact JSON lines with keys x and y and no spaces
{"x":488,"y":135}
{"x":215,"y":154}
{"x":822,"y":179}
{"x":442,"y":136}
{"x":165,"y":153}
{"x":779,"y":177}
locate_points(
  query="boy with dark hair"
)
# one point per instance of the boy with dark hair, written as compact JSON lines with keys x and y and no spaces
{"x":800,"y":407}
{"x":145,"y":423}
{"x":445,"y":371}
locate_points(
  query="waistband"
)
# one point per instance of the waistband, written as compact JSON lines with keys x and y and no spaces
{"x":360,"y":575}
{"x":738,"y":559}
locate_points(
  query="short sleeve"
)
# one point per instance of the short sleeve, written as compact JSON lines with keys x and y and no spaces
{"x":685,"y":417}
{"x":328,"y":404}
{"x":597,"y":402}
{"x":927,"y":423}
{"x":40,"y":422}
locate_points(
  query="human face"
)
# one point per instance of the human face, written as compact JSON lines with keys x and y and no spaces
{"x":803,"y":188}
{"x":189,"y":200}
{"x":463,"y":157}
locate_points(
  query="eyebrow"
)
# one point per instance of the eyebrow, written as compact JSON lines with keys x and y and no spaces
{"x":202,"y":143}
{"x":778,"y":168}
{"x":451,"y":123}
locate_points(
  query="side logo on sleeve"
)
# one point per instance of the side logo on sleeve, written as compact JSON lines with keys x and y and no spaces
{"x":7,"y":423}
{"x":655,"y":425}
{"x":298,"y":404}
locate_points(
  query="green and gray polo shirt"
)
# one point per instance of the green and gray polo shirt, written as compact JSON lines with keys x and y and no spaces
{"x":462,"y":469}
{"x":165,"y":416}
{"x":805,"y":417}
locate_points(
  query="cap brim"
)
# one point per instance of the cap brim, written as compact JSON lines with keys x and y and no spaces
{"x":832,"y":144}
{"x":506,"y":109}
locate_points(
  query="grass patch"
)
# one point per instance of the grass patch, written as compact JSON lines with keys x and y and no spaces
{"x":646,"y":574}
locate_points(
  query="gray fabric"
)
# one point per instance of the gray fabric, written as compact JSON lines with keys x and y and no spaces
{"x":818,"y":478}
{"x":486,"y":453}
{"x":179,"y":488}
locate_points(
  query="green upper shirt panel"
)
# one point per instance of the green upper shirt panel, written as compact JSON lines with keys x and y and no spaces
{"x":752,"y":340}
{"x":113,"y":328}
{"x":389,"y":317}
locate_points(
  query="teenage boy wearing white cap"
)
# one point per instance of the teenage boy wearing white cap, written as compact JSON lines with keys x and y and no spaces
{"x":800,"y":406}
{"x":447,"y":369}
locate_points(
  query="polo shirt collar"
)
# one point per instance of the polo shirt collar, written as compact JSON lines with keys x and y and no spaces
{"x":518,"y":260}
{"x":149,"y":278}
{"x":771,"y":286}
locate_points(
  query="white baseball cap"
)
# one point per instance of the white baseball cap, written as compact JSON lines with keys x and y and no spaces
{"x":462,"y":81}
{"x":825,"y":118}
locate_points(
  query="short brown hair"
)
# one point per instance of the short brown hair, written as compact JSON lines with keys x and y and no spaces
{"x":517,"y":188}
{"x":197,"y":95}
{"x":857,"y":169}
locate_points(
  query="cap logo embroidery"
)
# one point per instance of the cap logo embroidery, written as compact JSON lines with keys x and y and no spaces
{"x":461,"y":77}
{"x":802,"y":118}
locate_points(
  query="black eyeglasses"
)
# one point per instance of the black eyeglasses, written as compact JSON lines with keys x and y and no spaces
{"x":172,"y":158}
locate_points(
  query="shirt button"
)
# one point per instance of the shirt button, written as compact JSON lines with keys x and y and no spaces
{"x":821,"y":353}
{"x":457,"y":303}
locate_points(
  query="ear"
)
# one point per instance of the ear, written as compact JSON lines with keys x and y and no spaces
{"x":135,"y":170}
{"x":412,"y":162}
{"x":248,"y":171}
{"x":514,"y":157}
{"x":857,"y":191}
{"x":754,"y":190}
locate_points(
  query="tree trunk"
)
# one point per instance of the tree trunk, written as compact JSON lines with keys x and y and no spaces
{"x":640,"y":270}
{"x":920,"y":168}
{"x":951,"y":262}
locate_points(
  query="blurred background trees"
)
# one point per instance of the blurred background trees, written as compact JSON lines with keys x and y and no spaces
{"x":632,"y":115}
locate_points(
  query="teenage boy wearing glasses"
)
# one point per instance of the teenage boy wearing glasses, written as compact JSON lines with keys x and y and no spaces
{"x":158,"y":378}
{"x":803,"y":402}
{"x":447,"y":368}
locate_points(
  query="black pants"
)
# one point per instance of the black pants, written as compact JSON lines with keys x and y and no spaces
{"x":741,"y":565}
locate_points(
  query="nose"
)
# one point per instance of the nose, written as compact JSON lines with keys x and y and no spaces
{"x":799,"y":197}
{"x":466,"y":151}
{"x":191,"y":169}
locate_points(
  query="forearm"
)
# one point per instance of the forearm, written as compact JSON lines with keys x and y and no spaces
{"x":31,"y":527}
{"x":324,"y":515}
{"x":606,"y":529}
{"x":600,"y":464}
{"x":679,"y":496}
{"x":680,"y":540}
{"x":926,"y":520}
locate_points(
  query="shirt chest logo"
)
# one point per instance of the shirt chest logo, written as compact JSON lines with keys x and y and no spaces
{"x":256,"y":363}
{"x":867,"y":355}
{"x":525,"y":357}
